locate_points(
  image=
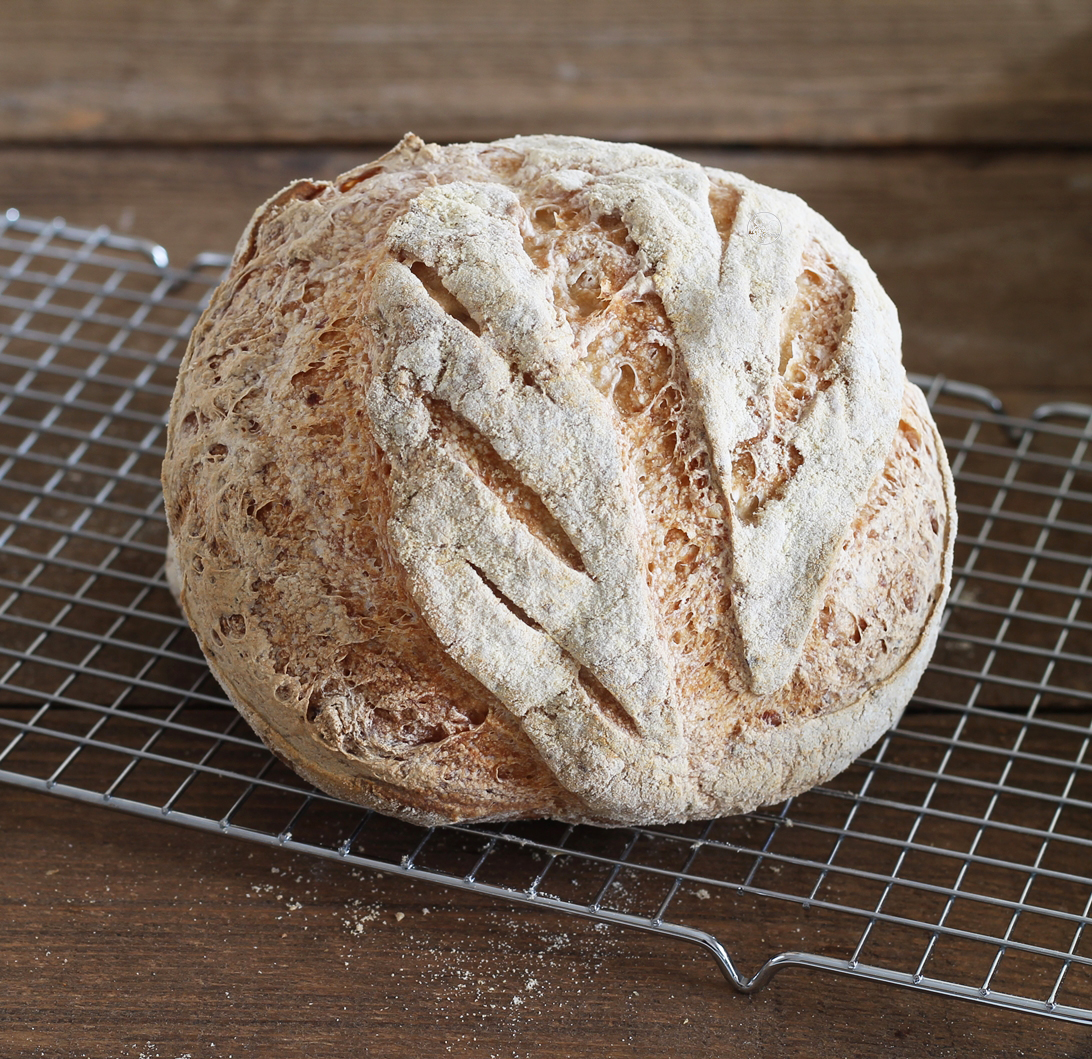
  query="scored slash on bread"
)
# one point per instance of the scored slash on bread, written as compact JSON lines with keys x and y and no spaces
{"x":550,"y":478}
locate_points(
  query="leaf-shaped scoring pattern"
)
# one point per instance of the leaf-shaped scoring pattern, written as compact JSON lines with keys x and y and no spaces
{"x":727,"y":305}
{"x":565,"y":632}
{"x":460,"y":546}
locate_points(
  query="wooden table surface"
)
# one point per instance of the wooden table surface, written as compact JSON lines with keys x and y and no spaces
{"x":951,"y":142}
{"x":127,"y":938}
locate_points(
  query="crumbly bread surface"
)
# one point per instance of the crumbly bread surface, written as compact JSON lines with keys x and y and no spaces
{"x":552,"y":477}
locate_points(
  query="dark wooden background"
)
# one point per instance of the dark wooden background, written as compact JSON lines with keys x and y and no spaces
{"x":951,"y":141}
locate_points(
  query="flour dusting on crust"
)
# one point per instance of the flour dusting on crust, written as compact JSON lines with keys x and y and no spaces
{"x":549,"y":477}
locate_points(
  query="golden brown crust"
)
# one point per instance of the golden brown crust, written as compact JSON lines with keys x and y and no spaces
{"x":539,"y":478}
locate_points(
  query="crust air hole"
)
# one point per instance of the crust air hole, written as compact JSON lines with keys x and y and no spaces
{"x":540,"y":239}
{"x":685,"y":566}
{"x":640,"y":386}
{"x":333,"y":333}
{"x":306,"y":190}
{"x":608,"y":705}
{"x":792,"y":374}
{"x":351,"y":182}
{"x":189,"y":425}
{"x":313,"y":384}
{"x":545,"y":218}
{"x":310,"y":292}
{"x":747,"y":508}
{"x":626,"y":395}
{"x":586,"y":290}
{"x":616,"y":231}
{"x":232,"y":626}
{"x":310,"y":379}
{"x":274,"y":515}
{"x":430,"y":280}
{"x":514,"y":772}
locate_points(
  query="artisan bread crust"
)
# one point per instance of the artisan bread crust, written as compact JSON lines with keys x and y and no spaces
{"x":553,"y":477}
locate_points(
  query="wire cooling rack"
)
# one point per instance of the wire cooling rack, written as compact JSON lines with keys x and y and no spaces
{"x":956,"y":856}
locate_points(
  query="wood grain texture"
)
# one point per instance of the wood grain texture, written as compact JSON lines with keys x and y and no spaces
{"x":704,"y":71}
{"x":988,"y":255}
{"x":127,"y":937}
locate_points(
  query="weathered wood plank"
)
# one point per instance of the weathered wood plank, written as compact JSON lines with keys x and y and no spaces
{"x":701,"y":71}
{"x":128,"y":937}
{"x":988,"y":255}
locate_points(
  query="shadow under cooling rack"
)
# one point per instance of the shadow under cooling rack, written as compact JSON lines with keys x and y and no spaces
{"x":956,"y":856}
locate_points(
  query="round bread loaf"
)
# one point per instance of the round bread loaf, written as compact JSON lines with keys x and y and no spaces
{"x":552,"y":477}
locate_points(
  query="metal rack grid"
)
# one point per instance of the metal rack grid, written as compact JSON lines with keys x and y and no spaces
{"x":954,"y":857}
